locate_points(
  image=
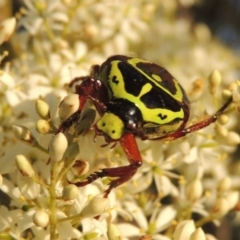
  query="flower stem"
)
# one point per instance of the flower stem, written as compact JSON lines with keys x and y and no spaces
{"x":204,"y":220}
{"x":52,"y":207}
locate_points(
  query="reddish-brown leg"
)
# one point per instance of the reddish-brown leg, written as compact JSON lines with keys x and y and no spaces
{"x":199,"y":125}
{"x":122,"y":174}
{"x":89,"y":89}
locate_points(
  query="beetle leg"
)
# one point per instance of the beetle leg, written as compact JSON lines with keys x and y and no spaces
{"x":123,"y":173}
{"x":69,"y":122}
{"x":197,"y":126}
{"x":89,"y":89}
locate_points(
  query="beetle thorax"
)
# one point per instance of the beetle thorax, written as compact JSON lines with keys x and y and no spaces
{"x":121,"y":116}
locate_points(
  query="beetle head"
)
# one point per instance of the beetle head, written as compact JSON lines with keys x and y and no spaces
{"x":110,"y":126}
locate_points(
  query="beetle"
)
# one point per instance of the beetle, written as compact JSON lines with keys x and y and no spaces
{"x":134,"y":98}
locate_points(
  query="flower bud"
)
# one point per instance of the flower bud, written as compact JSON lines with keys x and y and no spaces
{"x":42,"y":109}
{"x":210,"y":237}
{"x":226,"y":94}
{"x":57,"y":147}
{"x":221,"y":130}
{"x":24,"y":166}
{"x":184,"y":230}
{"x":113,"y":232}
{"x":223,"y":119}
{"x":233,"y":86}
{"x":95,"y":207}
{"x":232,"y":199}
{"x":70,"y":192}
{"x":91,"y":235}
{"x":215,"y":79}
{"x":6,"y":79}
{"x":224,"y":184}
{"x":68,"y":106}
{"x":42,"y":126}
{"x":236,"y":93}
{"x":198,"y":234}
{"x":220,"y":208}
{"x":194,"y":190}
{"x":41,"y":218}
{"x":232,"y":138}
{"x":7,"y":28}
{"x":202,"y":32}
{"x":22,"y":133}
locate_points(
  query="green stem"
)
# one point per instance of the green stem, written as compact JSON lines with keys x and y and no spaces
{"x":52,"y":207}
{"x":64,"y":171}
{"x":38,"y":146}
{"x":204,"y":220}
{"x":75,"y":218}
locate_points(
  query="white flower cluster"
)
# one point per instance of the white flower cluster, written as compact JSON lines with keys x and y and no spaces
{"x":181,"y":186}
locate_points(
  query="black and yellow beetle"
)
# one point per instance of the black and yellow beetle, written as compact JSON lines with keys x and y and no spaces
{"x":135,"y":98}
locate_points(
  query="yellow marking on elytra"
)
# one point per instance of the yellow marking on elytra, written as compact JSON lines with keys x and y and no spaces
{"x":157,"y":77}
{"x":146,"y":88}
{"x":149,"y":115}
{"x":178,"y":95}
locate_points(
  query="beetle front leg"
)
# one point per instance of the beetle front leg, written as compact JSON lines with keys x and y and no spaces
{"x":89,"y":89}
{"x":123,"y":173}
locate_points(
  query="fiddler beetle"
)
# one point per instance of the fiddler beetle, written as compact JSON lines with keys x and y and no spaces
{"x":134,"y":98}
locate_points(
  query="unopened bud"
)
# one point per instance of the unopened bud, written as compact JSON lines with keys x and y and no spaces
{"x":226,"y":94}
{"x":194,"y":190}
{"x":236,"y":93}
{"x":24,"y":166}
{"x":184,"y":230}
{"x":215,"y":79}
{"x":198,"y":234}
{"x":210,"y":237}
{"x":68,"y":106}
{"x":95,"y":207}
{"x":6,"y":79}
{"x":232,"y":199}
{"x":22,"y":133}
{"x":232,"y":138}
{"x":70,"y":192}
{"x":113,"y":232}
{"x":41,"y":218}
{"x":57,"y":147}
{"x":220,"y":208}
{"x":224,"y":184}
{"x":233,"y":86}
{"x":7,"y":28}
{"x":92,"y":235}
{"x":223,"y":119}
{"x":221,"y":130}
{"x":202,"y":32}
{"x":42,"y":109}
{"x":42,"y":126}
